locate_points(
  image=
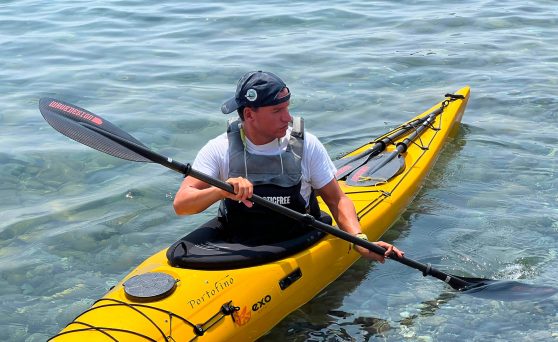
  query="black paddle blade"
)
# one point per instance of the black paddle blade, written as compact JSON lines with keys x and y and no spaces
{"x":377,"y":170}
{"x":347,"y":165}
{"x":507,"y":290}
{"x":84,"y":127}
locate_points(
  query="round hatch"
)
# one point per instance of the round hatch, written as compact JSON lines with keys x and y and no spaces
{"x":149,"y":287}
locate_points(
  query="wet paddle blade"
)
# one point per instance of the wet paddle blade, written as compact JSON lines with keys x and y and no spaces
{"x":377,"y":170}
{"x":507,"y":290}
{"x":84,"y":127}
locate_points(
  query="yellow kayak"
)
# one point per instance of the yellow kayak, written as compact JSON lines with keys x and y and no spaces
{"x":218,"y":292}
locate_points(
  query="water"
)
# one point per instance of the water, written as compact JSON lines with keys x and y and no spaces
{"x":75,"y":221}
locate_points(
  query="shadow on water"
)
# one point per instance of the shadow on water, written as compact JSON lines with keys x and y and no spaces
{"x":320,"y":319}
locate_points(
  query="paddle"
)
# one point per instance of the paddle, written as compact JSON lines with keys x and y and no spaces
{"x":366,"y":175}
{"x":370,"y":167}
{"x":91,"y":130}
{"x":347,"y":165}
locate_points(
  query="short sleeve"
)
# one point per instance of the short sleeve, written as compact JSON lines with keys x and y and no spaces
{"x":318,"y":164}
{"x":212,"y":159}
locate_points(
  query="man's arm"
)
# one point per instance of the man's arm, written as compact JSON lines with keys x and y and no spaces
{"x":194,"y":196}
{"x":344,"y":213}
{"x":341,"y":207}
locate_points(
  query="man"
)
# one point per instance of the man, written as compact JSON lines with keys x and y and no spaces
{"x":262,"y":153}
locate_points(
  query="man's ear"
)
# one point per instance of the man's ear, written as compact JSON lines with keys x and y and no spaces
{"x":248,"y":113}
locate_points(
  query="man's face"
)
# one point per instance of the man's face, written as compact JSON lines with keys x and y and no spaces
{"x":269,"y":122}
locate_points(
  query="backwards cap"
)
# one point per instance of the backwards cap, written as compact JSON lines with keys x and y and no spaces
{"x":257,"y":89}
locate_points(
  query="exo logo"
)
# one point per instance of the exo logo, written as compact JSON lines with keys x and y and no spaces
{"x":261,"y":303}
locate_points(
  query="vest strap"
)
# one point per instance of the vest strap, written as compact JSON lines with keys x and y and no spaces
{"x":298,"y":127}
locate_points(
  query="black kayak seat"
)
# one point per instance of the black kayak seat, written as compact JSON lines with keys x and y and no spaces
{"x":206,"y":248}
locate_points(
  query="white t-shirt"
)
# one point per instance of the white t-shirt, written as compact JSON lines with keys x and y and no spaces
{"x":317,"y":167}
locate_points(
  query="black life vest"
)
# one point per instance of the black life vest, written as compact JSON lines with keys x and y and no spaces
{"x":277,"y":178}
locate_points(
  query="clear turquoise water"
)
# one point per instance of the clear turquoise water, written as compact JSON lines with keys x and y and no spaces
{"x":75,"y":221}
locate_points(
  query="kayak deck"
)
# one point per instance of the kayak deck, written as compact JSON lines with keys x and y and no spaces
{"x":244,"y":303}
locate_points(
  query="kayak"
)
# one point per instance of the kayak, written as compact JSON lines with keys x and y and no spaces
{"x":208,"y":288}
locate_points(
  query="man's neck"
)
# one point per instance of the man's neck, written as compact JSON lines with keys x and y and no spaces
{"x":256,"y":139}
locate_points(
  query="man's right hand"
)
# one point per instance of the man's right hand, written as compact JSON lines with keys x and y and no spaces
{"x":243,"y":190}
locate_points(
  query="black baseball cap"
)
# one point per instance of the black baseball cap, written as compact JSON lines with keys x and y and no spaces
{"x":257,"y":89}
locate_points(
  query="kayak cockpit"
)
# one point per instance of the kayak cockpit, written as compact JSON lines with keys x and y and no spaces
{"x":206,"y":248}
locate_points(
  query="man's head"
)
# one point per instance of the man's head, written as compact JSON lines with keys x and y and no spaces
{"x":257,"y":89}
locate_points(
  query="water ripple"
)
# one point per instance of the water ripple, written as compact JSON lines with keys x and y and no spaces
{"x":75,"y":221}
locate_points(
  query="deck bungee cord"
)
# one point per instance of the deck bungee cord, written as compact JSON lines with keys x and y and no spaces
{"x":387,"y":165}
{"x":347,"y":165}
{"x":427,"y":122}
{"x":227,"y":309}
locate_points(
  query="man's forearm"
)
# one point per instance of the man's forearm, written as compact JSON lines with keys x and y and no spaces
{"x":189,"y":200}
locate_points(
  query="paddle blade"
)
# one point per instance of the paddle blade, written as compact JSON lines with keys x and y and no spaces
{"x":345,"y":168}
{"x":377,"y":170}
{"x":507,"y":290}
{"x":85,"y":127}
{"x":348,"y":164}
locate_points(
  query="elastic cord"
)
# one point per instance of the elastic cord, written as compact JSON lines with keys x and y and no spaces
{"x":243,"y":138}
{"x":280,"y":154}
